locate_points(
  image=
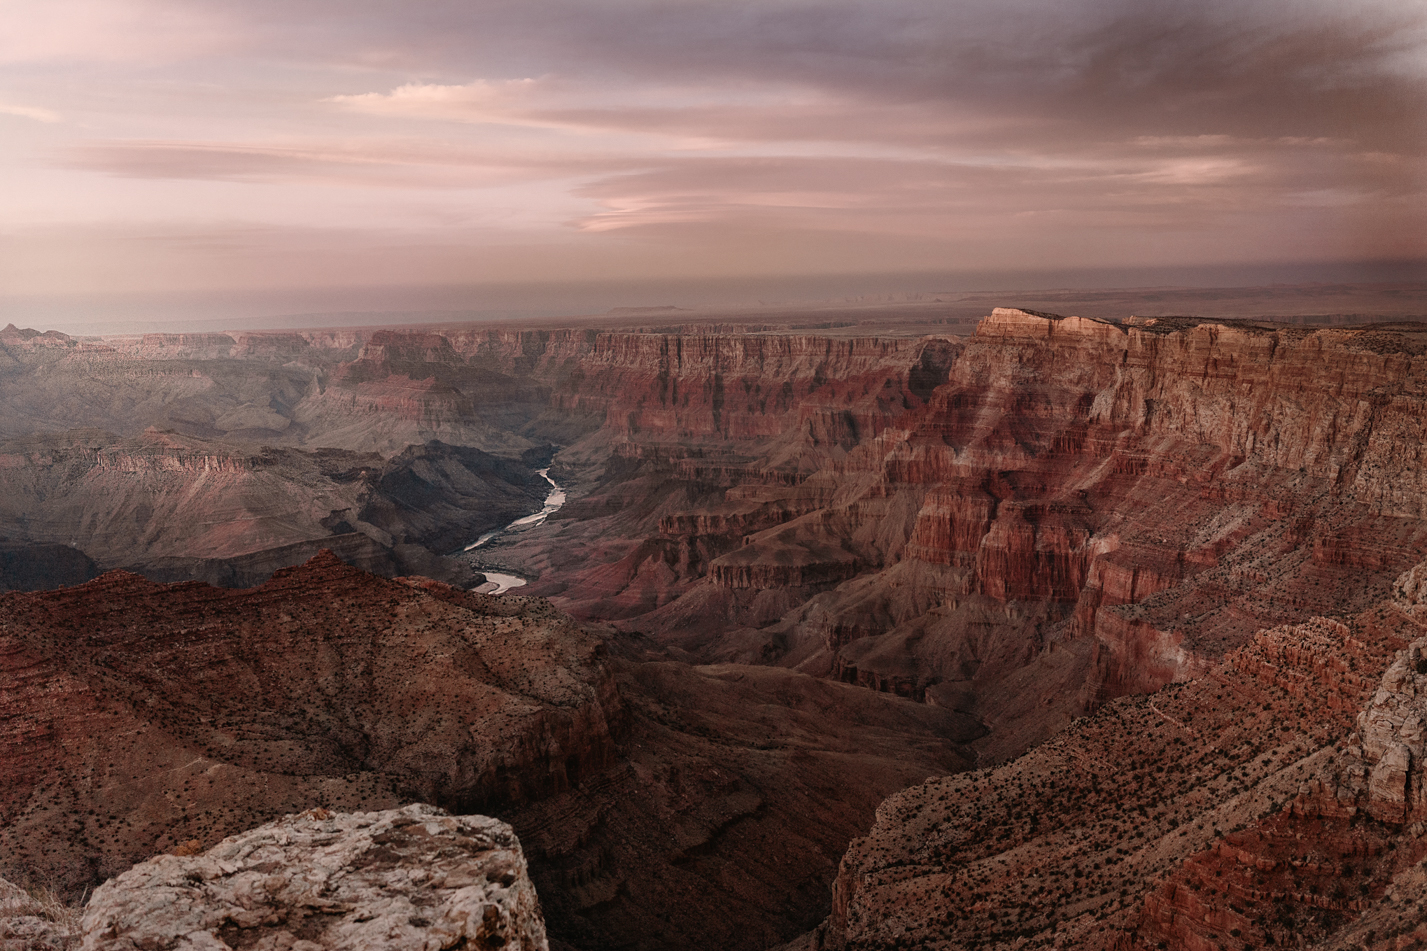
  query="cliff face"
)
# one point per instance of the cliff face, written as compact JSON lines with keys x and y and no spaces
{"x":138,"y":716}
{"x":983,"y":538}
{"x":704,"y":439}
{"x":1383,"y":770}
{"x":1120,"y":505}
{"x":712,"y":411}
{"x":407,"y":387}
{"x":1250,"y":807}
{"x":683,"y":388}
{"x":1078,"y":462}
{"x":376,"y":391}
{"x":1115,"y":507}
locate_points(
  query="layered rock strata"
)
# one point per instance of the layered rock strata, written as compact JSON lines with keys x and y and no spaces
{"x":1106,"y":508}
{"x":660,"y":804}
{"x":704,"y":440}
{"x":166,"y":501}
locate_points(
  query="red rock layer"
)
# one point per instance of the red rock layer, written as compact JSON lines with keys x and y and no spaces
{"x":137,"y":716}
{"x":1140,"y":498}
{"x":1087,"y":426}
{"x":1192,"y":818}
{"x":705,"y":440}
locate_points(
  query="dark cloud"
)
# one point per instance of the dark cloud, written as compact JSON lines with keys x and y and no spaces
{"x":1287,"y":68}
{"x":1006,"y":75}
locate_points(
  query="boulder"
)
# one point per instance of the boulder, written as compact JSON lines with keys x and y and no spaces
{"x":412,"y":878}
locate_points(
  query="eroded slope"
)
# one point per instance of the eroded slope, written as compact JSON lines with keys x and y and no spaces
{"x":1265,"y":803}
{"x":1020,"y":525}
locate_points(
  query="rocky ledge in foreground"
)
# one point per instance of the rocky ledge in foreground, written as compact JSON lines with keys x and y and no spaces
{"x":411,"y":878}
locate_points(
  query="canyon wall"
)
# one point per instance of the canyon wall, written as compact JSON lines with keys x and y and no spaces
{"x":162,"y":501}
{"x":702,"y":410}
{"x":1116,"y":505}
{"x":937,"y":552}
{"x":1265,"y":803}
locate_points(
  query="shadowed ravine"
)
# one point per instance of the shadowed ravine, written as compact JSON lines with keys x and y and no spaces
{"x":503,"y":581}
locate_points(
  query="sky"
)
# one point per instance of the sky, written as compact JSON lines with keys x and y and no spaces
{"x":314,"y":154}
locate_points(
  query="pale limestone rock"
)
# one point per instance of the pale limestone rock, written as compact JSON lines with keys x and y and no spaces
{"x":411,"y":879}
{"x":1410,"y":589}
{"x":27,"y":924}
{"x":1388,"y":785}
{"x":1381,"y":771}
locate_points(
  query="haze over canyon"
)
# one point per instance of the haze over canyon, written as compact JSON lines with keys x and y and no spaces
{"x":882,"y":625}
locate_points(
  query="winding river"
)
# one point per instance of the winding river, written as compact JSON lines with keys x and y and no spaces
{"x":504,"y":582}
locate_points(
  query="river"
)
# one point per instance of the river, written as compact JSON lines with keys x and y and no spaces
{"x":504,"y":582}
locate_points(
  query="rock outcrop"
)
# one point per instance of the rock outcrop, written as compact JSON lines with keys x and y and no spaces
{"x":659,"y":804}
{"x":412,"y":878}
{"x":1382,"y":770}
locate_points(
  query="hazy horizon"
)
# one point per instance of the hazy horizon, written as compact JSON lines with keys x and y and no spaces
{"x":1380,"y":291}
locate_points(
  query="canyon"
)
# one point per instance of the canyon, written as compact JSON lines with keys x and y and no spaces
{"x":1140,"y":595}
